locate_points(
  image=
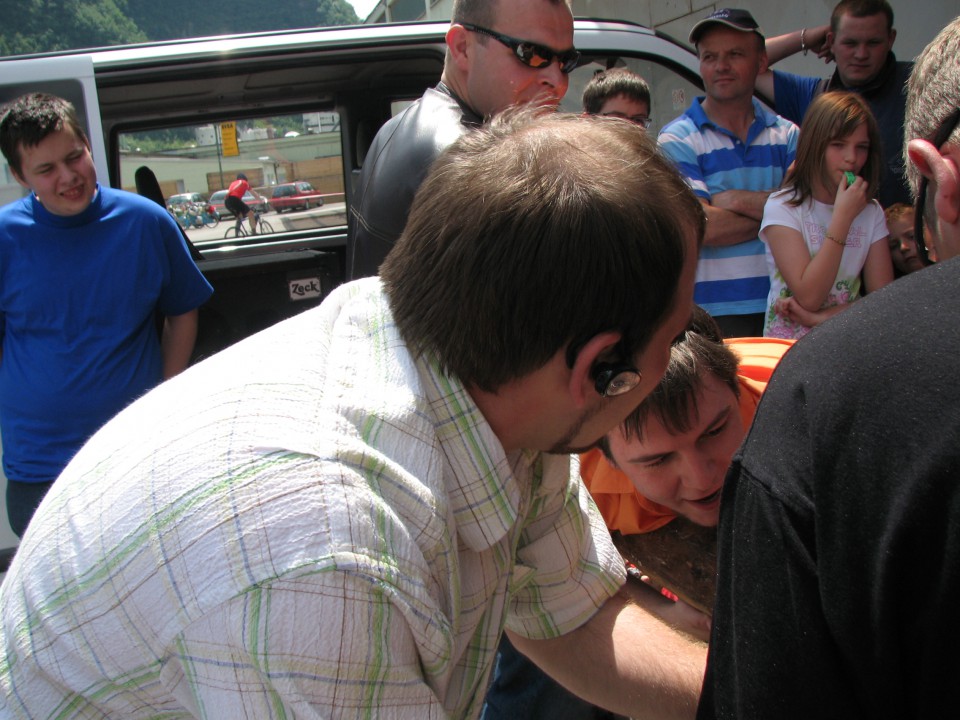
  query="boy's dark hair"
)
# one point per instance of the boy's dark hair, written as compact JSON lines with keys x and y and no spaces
{"x":608,"y":84}
{"x":28,"y":119}
{"x":533,"y":234}
{"x":697,"y":351}
{"x":860,"y":9}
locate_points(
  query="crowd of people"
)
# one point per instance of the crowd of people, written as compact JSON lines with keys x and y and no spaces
{"x":411,"y":515}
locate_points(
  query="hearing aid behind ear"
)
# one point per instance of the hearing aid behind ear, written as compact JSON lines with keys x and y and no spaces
{"x":612,"y":379}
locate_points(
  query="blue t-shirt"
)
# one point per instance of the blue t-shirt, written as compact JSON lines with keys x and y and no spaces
{"x":78,"y":297}
{"x":731,"y":279}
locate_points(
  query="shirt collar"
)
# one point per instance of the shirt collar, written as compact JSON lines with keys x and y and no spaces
{"x":761,"y":116}
{"x":470,"y":116}
{"x":889,"y":68}
{"x":484,"y":493}
{"x":87,"y":215}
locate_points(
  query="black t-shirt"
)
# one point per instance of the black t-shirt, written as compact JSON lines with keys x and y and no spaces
{"x":839,"y":542}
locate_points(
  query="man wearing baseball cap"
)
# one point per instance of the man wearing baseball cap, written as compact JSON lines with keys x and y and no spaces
{"x":735,"y":18}
{"x":733,"y":152}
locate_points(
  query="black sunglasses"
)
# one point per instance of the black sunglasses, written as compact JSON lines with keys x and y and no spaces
{"x":945,"y":130}
{"x":532,"y":54}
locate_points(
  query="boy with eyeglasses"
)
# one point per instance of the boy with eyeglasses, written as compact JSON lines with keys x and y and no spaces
{"x":839,"y":539}
{"x":500,"y":53}
{"x":618,"y":93}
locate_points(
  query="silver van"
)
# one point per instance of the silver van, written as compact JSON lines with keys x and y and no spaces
{"x":282,"y":107}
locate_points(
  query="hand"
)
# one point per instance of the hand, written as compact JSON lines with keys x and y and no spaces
{"x":688,"y":619}
{"x":825,"y":52}
{"x":816,"y":40}
{"x":851,"y":199}
{"x":679,"y":614}
{"x":789,"y":308}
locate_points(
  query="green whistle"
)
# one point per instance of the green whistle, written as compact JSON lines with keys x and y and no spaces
{"x":851,"y":178}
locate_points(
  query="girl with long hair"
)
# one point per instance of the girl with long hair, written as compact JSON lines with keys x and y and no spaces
{"x":825,"y":227}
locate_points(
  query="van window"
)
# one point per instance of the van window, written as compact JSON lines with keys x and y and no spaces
{"x":272,"y":151}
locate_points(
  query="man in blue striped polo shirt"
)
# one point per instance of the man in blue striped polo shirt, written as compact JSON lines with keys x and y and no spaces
{"x":733,"y":152}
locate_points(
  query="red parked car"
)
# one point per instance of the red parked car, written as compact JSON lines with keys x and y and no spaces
{"x":298,"y":195}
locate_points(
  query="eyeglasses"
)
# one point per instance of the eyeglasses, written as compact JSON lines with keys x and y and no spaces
{"x":532,"y":54}
{"x":945,"y":130}
{"x":641,"y":120}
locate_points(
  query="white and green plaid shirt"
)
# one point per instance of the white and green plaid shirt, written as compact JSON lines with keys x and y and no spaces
{"x":309,"y":524}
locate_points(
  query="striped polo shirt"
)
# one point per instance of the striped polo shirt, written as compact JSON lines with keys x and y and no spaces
{"x":732,"y":279}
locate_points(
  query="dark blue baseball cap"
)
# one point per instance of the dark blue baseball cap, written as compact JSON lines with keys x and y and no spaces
{"x":731,"y":17}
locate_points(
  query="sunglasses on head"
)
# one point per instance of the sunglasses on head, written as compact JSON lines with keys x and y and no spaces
{"x":532,"y":54}
{"x":945,"y":130}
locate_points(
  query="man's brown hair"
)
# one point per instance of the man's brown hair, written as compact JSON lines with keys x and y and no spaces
{"x":533,"y":234}
{"x":860,"y":9}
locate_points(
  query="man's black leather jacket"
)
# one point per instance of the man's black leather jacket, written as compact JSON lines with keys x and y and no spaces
{"x":396,"y":164}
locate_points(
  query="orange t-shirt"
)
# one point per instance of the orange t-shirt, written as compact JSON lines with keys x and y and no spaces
{"x":626,"y":510}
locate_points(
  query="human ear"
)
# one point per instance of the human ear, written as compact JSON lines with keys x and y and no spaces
{"x":459,"y":47}
{"x":582,"y":383}
{"x":940,"y":170}
{"x":764,"y":62}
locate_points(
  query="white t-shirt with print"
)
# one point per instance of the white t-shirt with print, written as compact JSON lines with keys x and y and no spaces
{"x":811,"y":219}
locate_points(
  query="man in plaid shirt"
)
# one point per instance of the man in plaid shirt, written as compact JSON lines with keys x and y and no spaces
{"x":338,"y":517}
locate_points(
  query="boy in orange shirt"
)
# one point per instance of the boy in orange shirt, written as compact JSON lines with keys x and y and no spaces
{"x":668,"y":458}
{"x":671,"y":454}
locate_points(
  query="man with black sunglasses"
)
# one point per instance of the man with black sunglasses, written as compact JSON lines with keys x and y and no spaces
{"x":839,"y":543}
{"x":499,"y":53}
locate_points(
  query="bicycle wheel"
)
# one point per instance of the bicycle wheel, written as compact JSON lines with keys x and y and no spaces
{"x":264,"y":228}
{"x":211,"y":221}
{"x":232,"y":232}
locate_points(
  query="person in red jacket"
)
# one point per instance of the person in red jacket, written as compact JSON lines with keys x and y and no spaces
{"x":235,"y":204}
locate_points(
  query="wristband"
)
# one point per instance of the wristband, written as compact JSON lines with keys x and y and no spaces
{"x":803,"y":44}
{"x":841,"y":243}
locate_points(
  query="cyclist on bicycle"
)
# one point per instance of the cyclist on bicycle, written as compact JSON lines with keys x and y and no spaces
{"x":235,"y":204}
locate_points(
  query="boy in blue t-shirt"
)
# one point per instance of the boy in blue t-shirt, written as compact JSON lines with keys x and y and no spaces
{"x":83,"y":271}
